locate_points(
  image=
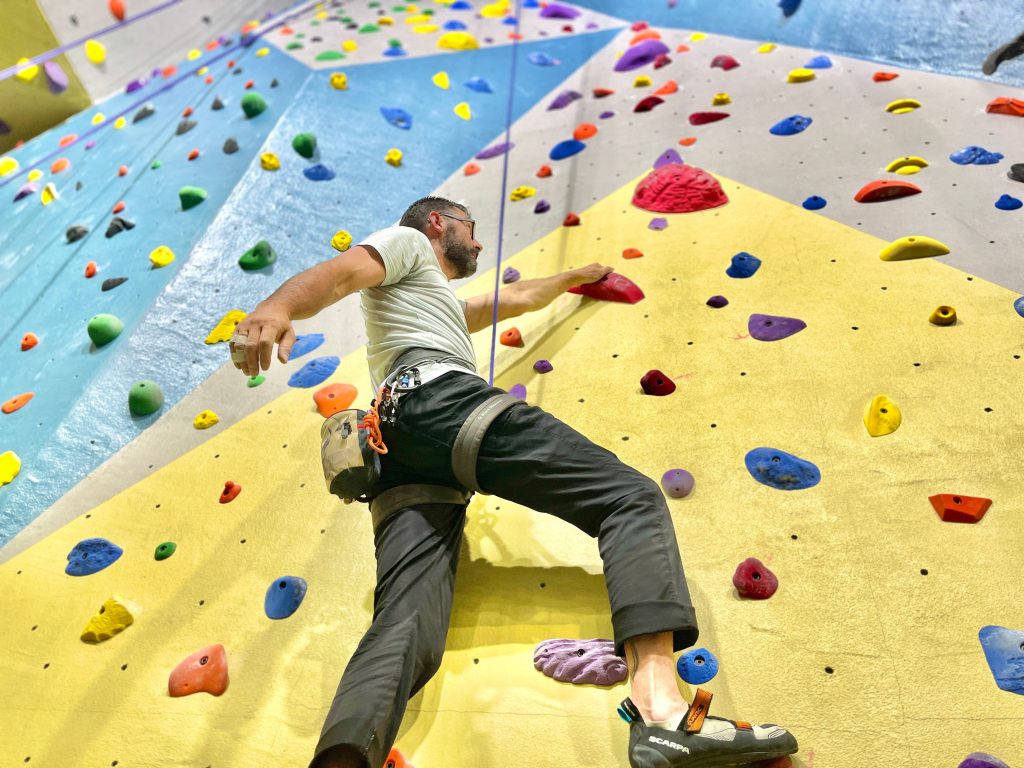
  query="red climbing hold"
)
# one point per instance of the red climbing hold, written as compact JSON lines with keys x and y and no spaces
{"x":648,"y":103}
{"x":753,"y":580}
{"x":656,"y":383}
{"x":724,"y":62}
{"x":884,"y":77}
{"x":572,"y":220}
{"x":511,"y":338}
{"x":611,"y":287}
{"x":90,"y":269}
{"x":1004,"y":105}
{"x":661,"y":60}
{"x":676,"y":188}
{"x":231,"y":490}
{"x":702,"y":118}
{"x":881,"y":189}
{"x":632,"y":253}
{"x":28,"y":341}
{"x":584,"y":131}
{"x":118,"y":207}
{"x":960,"y":509}
{"x":639,"y":26}
{"x":544,"y":171}
{"x":470,"y":169}
{"x":193,"y":154}
{"x":600,"y":93}
{"x":16,"y":402}
{"x":205,"y":670}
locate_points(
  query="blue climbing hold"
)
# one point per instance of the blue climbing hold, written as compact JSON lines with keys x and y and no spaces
{"x":91,"y":555}
{"x":461,"y":5}
{"x":974,"y":155}
{"x":1004,"y":652}
{"x":479,"y":85}
{"x":697,"y":666}
{"x":284,"y":597}
{"x":819,"y":62}
{"x":541,"y":59}
{"x":815,"y":203}
{"x":397,"y":117}
{"x":789,"y":7}
{"x":453,"y":25}
{"x":791,"y":125}
{"x":318,"y":172}
{"x":314,"y":372}
{"x":781,"y":470}
{"x":510,"y":20}
{"x":566,"y":149}
{"x":1008,"y":203}
{"x":1019,"y":306}
{"x":395,"y":52}
{"x":531,"y":4}
{"x":306,"y":343}
{"x":743,"y":265}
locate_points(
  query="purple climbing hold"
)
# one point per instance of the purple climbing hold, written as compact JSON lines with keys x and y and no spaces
{"x":640,"y":55}
{"x":510,"y":275}
{"x":773,"y":327}
{"x":668,"y":157}
{"x":564,"y":99}
{"x":678,"y":483}
{"x":556,"y":11}
{"x":518,"y":390}
{"x":135,"y":85}
{"x":606,"y":115}
{"x":542,"y":206}
{"x":583,"y":662}
{"x":982,"y":760}
{"x":717,"y":302}
{"x":26,"y":189}
{"x":543,"y":366}
{"x":494,"y":150}
{"x":4,"y":128}
{"x":56,"y":78}
{"x":658,"y":223}
{"x":90,"y":144}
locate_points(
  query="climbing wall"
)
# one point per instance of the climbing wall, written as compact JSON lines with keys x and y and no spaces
{"x":891,"y":636}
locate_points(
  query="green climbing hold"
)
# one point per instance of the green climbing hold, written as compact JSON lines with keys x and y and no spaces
{"x":145,"y":397}
{"x":191,"y":197}
{"x":290,"y":47}
{"x":394,"y":42}
{"x":165,"y":550}
{"x":259,"y":256}
{"x":304,"y":144}
{"x":253,"y":104}
{"x":156,"y":164}
{"x":255,"y":381}
{"x":330,"y":56}
{"x":368,"y":28}
{"x":103,"y":329}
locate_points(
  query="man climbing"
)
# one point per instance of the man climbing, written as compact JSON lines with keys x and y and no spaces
{"x":415,"y":323}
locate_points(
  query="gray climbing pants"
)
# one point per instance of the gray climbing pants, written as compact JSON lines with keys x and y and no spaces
{"x":528,"y":457}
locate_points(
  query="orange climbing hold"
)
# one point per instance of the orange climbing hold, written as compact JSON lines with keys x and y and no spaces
{"x":169,"y":71}
{"x":230,"y":492}
{"x":880,"y":190}
{"x":118,"y":207}
{"x":600,"y":93}
{"x":28,"y":341}
{"x":90,"y":269}
{"x":632,"y":253}
{"x":471,"y":168}
{"x":122,"y":170}
{"x":333,"y":398}
{"x":69,"y":139}
{"x":884,"y":77}
{"x":572,"y":220}
{"x":186,"y":112}
{"x":205,"y":670}
{"x":689,"y":141}
{"x":208,"y":80}
{"x":16,"y":402}
{"x":682,"y":48}
{"x":511,"y":338}
{"x":1004,"y":105}
{"x":60,"y":164}
{"x":544,"y":171}
{"x":193,"y":154}
{"x":960,"y":509}
{"x":647,"y":34}
{"x":583,"y":131}
{"x":249,"y":83}
{"x":396,"y":760}
{"x":670,"y":87}
{"x":117,"y":9}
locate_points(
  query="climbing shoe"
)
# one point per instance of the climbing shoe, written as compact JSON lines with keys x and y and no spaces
{"x":700,"y":741}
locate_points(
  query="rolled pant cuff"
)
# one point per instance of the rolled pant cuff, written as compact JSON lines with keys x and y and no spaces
{"x":360,"y":735}
{"x":652,"y":617}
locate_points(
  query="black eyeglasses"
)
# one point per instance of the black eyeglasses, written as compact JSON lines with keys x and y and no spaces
{"x":471,"y":222}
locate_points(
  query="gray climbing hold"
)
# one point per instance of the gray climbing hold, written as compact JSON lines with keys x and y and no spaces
{"x":230,"y":146}
{"x":146,"y":110}
{"x":582,"y":662}
{"x":76,"y":232}
{"x":185,"y":126}
{"x":118,"y":225}
{"x":217,"y":103}
{"x":112,"y":282}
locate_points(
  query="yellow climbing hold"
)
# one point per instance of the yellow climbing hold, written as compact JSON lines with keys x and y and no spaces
{"x":349,"y":46}
{"x":226,"y":327}
{"x":339,"y":81}
{"x":203,"y":70}
{"x":49,"y":194}
{"x":521,"y":193}
{"x":425,"y":29}
{"x":33,"y":175}
{"x":410,"y":8}
{"x":161,"y":256}
{"x":882,"y":416}
{"x":195,"y":53}
{"x":113,"y":617}
{"x":262,"y":52}
{"x":8,"y":165}
{"x":943,"y":316}
{"x":269,"y":161}
{"x":914,"y":247}
{"x":10,"y":466}
{"x":422,"y":18}
{"x":205,"y":420}
{"x":341,"y":241}
{"x":721,"y":99}
{"x":495,"y":10}
{"x":900,"y":106}
{"x":120,"y":122}
{"x":698,"y":36}
{"x":26,"y":74}
{"x":321,"y":15}
{"x":393,"y":157}
{"x":800,"y":75}
{"x":457,"y":41}
{"x":95,"y":51}
{"x":641,"y":81}
{"x":441,"y":80}
{"x":462,"y":110}
{"x":98,"y":118}
{"x":766,"y":47}
{"x":907,"y":165}
{"x":385,"y":21}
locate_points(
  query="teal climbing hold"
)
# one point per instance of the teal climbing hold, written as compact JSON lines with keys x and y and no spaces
{"x":145,"y":397}
{"x":104,"y":328}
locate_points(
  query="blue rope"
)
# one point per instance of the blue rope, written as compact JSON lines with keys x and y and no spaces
{"x":504,"y":185}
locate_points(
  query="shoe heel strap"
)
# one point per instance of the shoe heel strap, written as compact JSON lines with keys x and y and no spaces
{"x":698,"y":711}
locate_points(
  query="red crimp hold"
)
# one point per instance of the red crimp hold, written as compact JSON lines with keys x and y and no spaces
{"x":611,"y":287}
{"x":654,"y":382}
{"x":754,"y":581}
{"x":231,"y":490}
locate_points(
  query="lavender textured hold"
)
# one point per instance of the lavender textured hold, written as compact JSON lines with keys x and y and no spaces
{"x":510,"y":275}
{"x":717,"y":302}
{"x":518,"y":390}
{"x":543,"y":366}
{"x":581,"y":662}
{"x":658,"y":223}
{"x":542,"y":206}
{"x":773,"y":327}
{"x":982,"y":760}
{"x":26,"y":189}
{"x":135,"y":85}
{"x":90,"y":144}
{"x":640,"y":55}
{"x":593,"y":25}
{"x":494,"y":151}
{"x":678,"y":483}
{"x":556,"y":11}
{"x":564,"y":99}
{"x":668,"y":157}
{"x":606,"y":115}
{"x":56,"y":78}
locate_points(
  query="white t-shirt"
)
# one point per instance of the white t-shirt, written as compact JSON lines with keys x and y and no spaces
{"x":414,"y":306}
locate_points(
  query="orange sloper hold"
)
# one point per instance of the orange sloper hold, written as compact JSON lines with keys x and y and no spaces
{"x":471,"y":168}
{"x":60,"y":164}
{"x":28,"y":341}
{"x":16,"y":402}
{"x":511,"y":338}
{"x":205,"y":670}
{"x":884,"y":77}
{"x":118,"y":207}
{"x":1004,"y":105}
{"x":881,"y":189}
{"x":670,"y":87}
{"x":333,"y":398}
{"x":90,"y":269}
{"x":647,"y":34}
{"x":396,"y":760}
{"x":584,"y":131}
{"x":544,"y":171}
{"x":960,"y":509}
{"x":69,"y":139}
{"x":688,"y":141}
{"x":230,"y":492}
{"x":682,"y":48}
{"x":632,"y":253}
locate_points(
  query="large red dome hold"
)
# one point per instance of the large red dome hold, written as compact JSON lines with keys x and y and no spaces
{"x":678,"y":188}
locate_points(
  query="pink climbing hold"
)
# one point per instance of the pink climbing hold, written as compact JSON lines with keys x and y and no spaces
{"x":754,"y":581}
{"x":611,"y":287}
{"x":679,"y":189}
